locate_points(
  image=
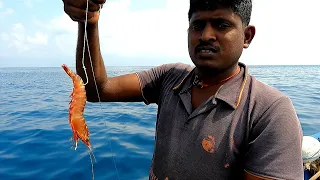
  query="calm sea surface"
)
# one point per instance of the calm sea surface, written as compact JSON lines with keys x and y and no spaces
{"x":35,"y":134}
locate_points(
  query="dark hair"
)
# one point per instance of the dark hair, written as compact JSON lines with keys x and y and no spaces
{"x":241,"y":7}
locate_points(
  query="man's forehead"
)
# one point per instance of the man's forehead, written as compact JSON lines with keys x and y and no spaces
{"x":213,"y":14}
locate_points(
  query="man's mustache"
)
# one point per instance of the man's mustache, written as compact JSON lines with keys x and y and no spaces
{"x":207,"y":46}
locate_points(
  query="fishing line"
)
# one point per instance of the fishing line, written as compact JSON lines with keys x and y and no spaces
{"x":86,"y":42}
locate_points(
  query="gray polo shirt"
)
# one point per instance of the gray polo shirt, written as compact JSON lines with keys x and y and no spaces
{"x":246,"y":126}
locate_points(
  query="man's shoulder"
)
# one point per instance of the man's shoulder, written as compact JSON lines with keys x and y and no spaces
{"x":265,"y":98}
{"x":263,"y":92}
{"x":272,"y":120}
{"x":177,"y":70}
{"x":167,"y":69}
{"x":179,"y":67}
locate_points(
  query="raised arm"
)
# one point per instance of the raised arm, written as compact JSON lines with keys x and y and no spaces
{"x":121,"y":88}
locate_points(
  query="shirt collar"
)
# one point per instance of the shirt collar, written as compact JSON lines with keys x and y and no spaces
{"x":230,"y":92}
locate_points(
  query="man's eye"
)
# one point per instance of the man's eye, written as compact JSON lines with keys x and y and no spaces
{"x":223,"y":25}
{"x":197,"y":27}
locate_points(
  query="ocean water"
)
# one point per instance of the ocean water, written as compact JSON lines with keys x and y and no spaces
{"x":35,"y":133}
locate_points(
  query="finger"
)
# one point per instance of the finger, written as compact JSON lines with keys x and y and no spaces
{"x":99,"y":1}
{"x":93,"y":7}
{"x":77,"y":14}
{"x":101,"y":6}
{"x":82,"y":4}
{"x":78,"y":20}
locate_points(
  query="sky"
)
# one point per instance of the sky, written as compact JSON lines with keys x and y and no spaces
{"x":38,"y":33}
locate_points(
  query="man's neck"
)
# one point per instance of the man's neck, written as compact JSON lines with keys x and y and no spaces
{"x":216,"y":76}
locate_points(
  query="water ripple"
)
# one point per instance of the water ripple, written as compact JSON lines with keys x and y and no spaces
{"x":35,"y":133}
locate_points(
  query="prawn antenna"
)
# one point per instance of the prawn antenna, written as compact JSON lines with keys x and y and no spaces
{"x":92,"y":155}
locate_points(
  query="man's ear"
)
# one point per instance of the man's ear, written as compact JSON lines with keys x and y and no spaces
{"x":249,"y":33}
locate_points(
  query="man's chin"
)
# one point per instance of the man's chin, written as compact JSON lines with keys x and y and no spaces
{"x":206,"y":69}
{"x":209,"y":66}
{"x":207,"y":63}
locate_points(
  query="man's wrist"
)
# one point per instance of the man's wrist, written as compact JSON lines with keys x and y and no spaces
{"x":90,"y":26}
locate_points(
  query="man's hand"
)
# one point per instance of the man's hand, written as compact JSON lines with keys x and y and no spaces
{"x":76,"y":9}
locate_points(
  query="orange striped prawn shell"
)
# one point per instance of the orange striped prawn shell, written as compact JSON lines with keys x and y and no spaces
{"x":78,"y":101}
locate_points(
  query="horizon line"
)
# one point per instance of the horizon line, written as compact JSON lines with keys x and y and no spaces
{"x":157,"y":65}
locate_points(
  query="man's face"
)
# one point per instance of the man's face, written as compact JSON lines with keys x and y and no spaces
{"x":216,"y":39}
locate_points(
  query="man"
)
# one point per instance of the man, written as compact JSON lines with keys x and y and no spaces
{"x":215,"y":121}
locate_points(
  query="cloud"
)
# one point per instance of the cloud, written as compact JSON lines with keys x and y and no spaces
{"x":284,"y":35}
{"x":163,"y":32}
{"x":28,"y":3}
{"x":39,"y":38}
{"x":6,"y":12}
{"x":18,"y":38}
{"x":4,"y":36}
{"x":64,"y":32}
{"x":62,"y":23}
{"x":148,"y":33}
{"x":159,"y":35}
{"x":20,"y":41}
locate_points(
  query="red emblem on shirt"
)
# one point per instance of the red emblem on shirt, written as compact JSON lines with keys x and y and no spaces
{"x":208,"y":144}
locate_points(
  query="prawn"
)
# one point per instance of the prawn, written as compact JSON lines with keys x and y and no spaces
{"x":76,"y":120}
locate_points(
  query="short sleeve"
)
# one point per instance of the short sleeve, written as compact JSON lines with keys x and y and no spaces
{"x":275,"y":143}
{"x":151,"y":82}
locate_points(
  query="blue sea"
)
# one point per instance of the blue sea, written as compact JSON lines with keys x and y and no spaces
{"x":35,"y":133}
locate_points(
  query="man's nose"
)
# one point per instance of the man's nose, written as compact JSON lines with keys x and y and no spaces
{"x":208,"y":33}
